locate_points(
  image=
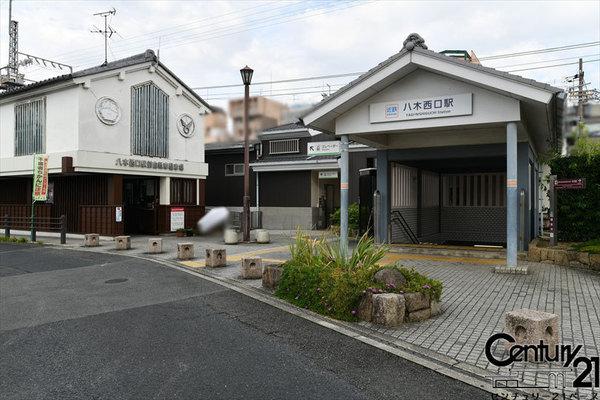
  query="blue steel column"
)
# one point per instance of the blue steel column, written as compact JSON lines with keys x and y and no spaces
{"x":382,"y":185}
{"x":344,"y":195}
{"x":512,"y":203}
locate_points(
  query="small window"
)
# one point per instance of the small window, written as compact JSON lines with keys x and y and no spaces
{"x":30,"y":127}
{"x":284,"y":146}
{"x":234,"y":169}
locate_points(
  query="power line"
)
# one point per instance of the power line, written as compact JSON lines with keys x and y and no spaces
{"x":310,"y":78}
{"x":551,"y":66}
{"x":538,"y":62}
{"x":539,"y":51}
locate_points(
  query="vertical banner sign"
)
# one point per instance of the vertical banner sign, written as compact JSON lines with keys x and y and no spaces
{"x":40,"y":177}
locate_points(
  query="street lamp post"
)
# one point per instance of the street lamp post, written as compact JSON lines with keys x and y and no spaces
{"x":246,"y":73}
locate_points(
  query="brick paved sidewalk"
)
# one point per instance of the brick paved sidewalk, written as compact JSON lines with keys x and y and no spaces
{"x":474,"y":303}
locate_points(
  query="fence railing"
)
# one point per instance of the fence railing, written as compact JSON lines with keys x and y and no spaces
{"x":51,"y":224}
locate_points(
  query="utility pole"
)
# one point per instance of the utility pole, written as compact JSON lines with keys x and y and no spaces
{"x":580,"y":98}
{"x":107,"y":32}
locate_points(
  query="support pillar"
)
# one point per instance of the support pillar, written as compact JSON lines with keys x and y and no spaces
{"x":512,"y":195}
{"x":165,"y":190}
{"x":344,"y":195}
{"x":381,"y":236}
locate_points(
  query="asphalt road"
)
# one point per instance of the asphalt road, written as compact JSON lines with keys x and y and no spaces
{"x":78,"y":325}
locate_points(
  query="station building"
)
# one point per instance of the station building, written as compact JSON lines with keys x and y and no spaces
{"x":125,"y":147}
{"x":458,"y":146}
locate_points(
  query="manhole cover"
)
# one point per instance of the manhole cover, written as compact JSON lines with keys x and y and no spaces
{"x":117,"y":280}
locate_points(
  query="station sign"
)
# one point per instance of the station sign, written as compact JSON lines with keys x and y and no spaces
{"x":329,"y":148}
{"x":562,"y":184}
{"x":451,"y":105}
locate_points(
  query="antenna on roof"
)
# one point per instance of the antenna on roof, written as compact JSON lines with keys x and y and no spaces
{"x":107,"y":32}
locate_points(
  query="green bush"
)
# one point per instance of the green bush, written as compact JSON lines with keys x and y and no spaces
{"x":352,"y":216}
{"x":13,"y":239}
{"x":578,"y":211}
{"x":591,"y":246}
{"x":319,"y":278}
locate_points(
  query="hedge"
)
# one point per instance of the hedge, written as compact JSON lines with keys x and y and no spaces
{"x":578,"y":211}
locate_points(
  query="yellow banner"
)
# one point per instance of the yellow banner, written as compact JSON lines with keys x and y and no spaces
{"x":40,"y":177}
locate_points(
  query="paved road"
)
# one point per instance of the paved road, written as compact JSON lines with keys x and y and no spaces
{"x":79,"y":325}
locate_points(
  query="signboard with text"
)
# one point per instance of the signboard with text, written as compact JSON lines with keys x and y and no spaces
{"x":329,"y":148}
{"x":569,"y":183}
{"x":177,"y":218}
{"x":328,"y":174}
{"x":429,"y":107}
{"x":40,"y":177}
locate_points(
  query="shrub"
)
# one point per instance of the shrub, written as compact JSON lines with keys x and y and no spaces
{"x":319,"y":278}
{"x":353,"y":220}
{"x":13,"y":239}
{"x":578,"y":210}
{"x":591,"y":246}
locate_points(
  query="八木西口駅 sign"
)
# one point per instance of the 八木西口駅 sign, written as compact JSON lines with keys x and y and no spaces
{"x":431,"y":107}
{"x":40,"y":177}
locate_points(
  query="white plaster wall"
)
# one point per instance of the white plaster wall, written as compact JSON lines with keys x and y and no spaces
{"x":61,"y":123}
{"x":97,"y":136}
{"x":488,"y":107}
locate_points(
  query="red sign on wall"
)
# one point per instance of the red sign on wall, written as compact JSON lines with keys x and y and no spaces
{"x":569,"y":183}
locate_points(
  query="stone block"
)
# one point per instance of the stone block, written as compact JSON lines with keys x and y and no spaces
{"x":561,"y":257}
{"x":416,"y":301}
{"x":420,"y":315}
{"x":271,"y":275}
{"x":388,"y":309}
{"x":595,"y":262}
{"x":390,"y":277}
{"x":436,"y":308}
{"x":91,"y":240}
{"x":530,"y":326}
{"x":231,"y":236}
{"x":155,"y":245}
{"x":262,"y":236}
{"x":251,"y":268}
{"x":185,"y":251}
{"x":544,"y":254}
{"x":534,"y":253}
{"x":583,"y":258}
{"x":123,"y":242}
{"x":365,"y":307}
{"x":216,"y":258}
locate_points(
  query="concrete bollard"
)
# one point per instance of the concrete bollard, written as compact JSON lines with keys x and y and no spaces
{"x":262,"y":236}
{"x":155,"y":246}
{"x":231,"y":236}
{"x":216,"y":258}
{"x":185,"y":251}
{"x":123,"y":242}
{"x":91,"y":240}
{"x":528,"y":327}
{"x":251,"y":268}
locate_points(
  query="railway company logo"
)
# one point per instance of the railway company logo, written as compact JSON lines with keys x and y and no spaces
{"x":392,"y":111}
{"x":561,"y":366}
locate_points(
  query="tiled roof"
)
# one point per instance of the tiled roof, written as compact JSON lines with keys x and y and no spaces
{"x":427,"y":52}
{"x":286,"y":127}
{"x":147,"y":56}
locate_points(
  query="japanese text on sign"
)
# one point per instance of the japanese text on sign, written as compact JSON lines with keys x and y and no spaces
{"x":432,"y":107}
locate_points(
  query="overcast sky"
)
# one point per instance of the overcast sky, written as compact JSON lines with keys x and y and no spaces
{"x":207,"y":42}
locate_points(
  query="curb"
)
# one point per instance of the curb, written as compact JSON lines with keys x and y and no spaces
{"x":458,"y":370}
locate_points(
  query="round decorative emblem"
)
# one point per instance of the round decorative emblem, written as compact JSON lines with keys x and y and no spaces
{"x":108,"y":111}
{"x":185,"y":125}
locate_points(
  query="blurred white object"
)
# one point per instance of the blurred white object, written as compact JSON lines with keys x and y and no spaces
{"x":213,"y":219}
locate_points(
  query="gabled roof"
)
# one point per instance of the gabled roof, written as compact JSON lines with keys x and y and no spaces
{"x":413,"y":47}
{"x":147,"y":56}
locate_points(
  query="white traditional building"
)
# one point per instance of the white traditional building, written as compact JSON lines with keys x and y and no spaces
{"x":124,"y":141}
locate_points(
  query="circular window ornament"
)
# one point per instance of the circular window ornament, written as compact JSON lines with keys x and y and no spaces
{"x":108,"y":111}
{"x":185,"y":125}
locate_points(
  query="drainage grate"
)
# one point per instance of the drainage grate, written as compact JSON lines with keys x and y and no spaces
{"x":117,"y":280}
